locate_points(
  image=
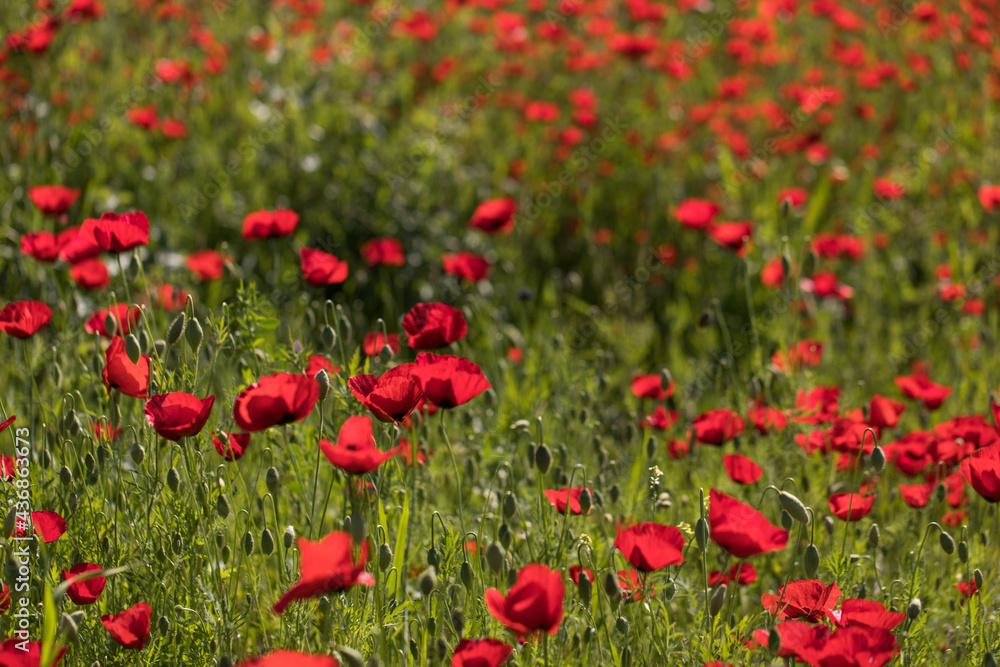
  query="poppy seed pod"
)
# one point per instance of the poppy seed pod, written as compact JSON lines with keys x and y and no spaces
{"x":543,"y":458}
{"x":267,"y":542}
{"x":670,"y":590}
{"x":384,"y":557}
{"x":810,"y":561}
{"x":132,"y":348}
{"x":913,"y":609}
{"x":176,"y":329}
{"x":794,"y":507}
{"x":878,"y":460}
{"x":716,"y":601}
{"x":947,"y":542}
{"x":194,"y":334}
{"x":494,"y":557}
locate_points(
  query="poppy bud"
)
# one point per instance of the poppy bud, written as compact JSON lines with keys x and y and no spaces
{"x":584,"y":587}
{"x":177,"y":544}
{"x":346,"y":524}
{"x":160,"y":346}
{"x":701,"y":532}
{"x":163,"y":625}
{"x":650,"y":447}
{"x":328,"y":336}
{"x":132,"y":348}
{"x":947,"y":542}
{"x":467,"y":574}
{"x":977,"y":577}
{"x":585,"y":500}
{"x":176,"y":328}
{"x":774,"y":640}
{"x":323,"y":380}
{"x":543,"y":458}
{"x":809,"y":262}
{"x":433,"y":559}
{"x":73,"y":502}
{"x":795,"y":507}
{"x":494,"y":557}
{"x":8,"y":526}
{"x":173,"y":480}
{"x":786,"y":520}
{"x":963,"y":551}
{"x":161,"y":555}
{"x":670,"y":590}
{"x":110,"y":324}
{"x":621,"y":625}
{"x":458,"y":621}
{"x":386,"y":354}
{"x":506,"y":537}
{"x":194,"y":334}
{"x":432,"y":626}
{"x":878,"y":460}
{"x":531,"y":455}
{"x":46,"y":459}
{"x":428,"y":581}
{"x":273,"y":480}
{"x":222,"y":506}
{"x":384,"y":557}
{"x":989,"y":660}
{"x":226,"y":553}
{"x":613,"y":493}
{"x":220,"y":539}
{"x":267,"y":542}
{"x":914,"y":609}
{"x":509,"y":506}
{"x":359,"y":527}
{"x":68,"y":626}
{"x":248,"y":543}
{"x":65,"y":476}
{"x":611,"y":588}
{"x":716,"y":601}
{"x":941,"y":491}
{"x":873,"y":536}
{"x":143,"y":340}
{"x":583,"y":416}
{"x":138,"y":454}
{"x":511,"y":577}
{"x":828,"y":524}
{"x":289,"y":537}
{"x":810,"y":561}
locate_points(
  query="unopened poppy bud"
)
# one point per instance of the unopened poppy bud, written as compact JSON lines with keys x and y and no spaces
{"x":808,"y":262}
{"x":505,"y":536}
{"x":989,"y":660}
{"x":138,"y":454}
{"x":110,"y":324}
{"x":220,"y":539}
{"x":716,"y":601}
{"x":351,"y":658}
{"x":73,"y":502}
{"x":774,"y":641}
{"x":248,"y":543}
{"x":509,"y":506}
{"x":432,"y":626}
{"x":947,"y":542}
{"x":288,"y":538}
{"x":163,"y":625}
{"x":132,"y":348}
{"x":267,"y":542}
{"x":622,"y":626}
{"x":828,"y":524}
{"x":613,"y":493}
{"x":873,"y":536}
{"x":543,"y":458}
{"x":878,"y":460}
{"x":65,"y":476}
{"x":359,"y":527}
{"x":328,"y":336}
{"x":963,"y":551}
{"x":173,"y":480}
{"x":786,"y":520}
{"x":176,"y":329}
{"x":160,"y":347}
{"x":701,"y":533}
{"x":458,"y":621}
{"x":222,"y":506}
{"x":583,"y":415}
{"x":227,"y":553}
{"x":584,"y":587}
{"x":194,"y":334}
{"x":794,"y":506}
{"x":494,"y":557}
{"x":428,"y":581}
{"x":161,"y":555}
{"x":177,"y":544}
{"x":143,"y":340}
{"x":323,"y":380}
{"x":941,"y":491}
{"x":914,"y":609}
{"x":650,"y":447}
{"x":511,"y":577}
{"x":467,"y":574}
{"x":384,"y":557}
{"x":224,"y":661}
{"x":612,"y":588}
{"x":433,"y":559}
{"x":386,"y":354}
{"x":273,"y":480}
{"x":977,"y":577}
{"x":585,"y":500}
{"x":810,"y":561}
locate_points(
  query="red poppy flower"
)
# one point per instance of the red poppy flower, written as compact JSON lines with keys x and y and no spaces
{"x":4,"y":598}
{"x":826,"y":284}
{"x":88,"y":590}
{"x":90,"y":274}
{"x":269,"y":224}
{"x":794,"y":196}
{"x":767,"y":419}
{"x":866,"y":613}
{"x":696,"y":213}
{"x":651,"y":386}
{"x":327,"y":566}
{"x":207,"y":264}
{"x":125,"y":319}
{"x":7,"y":467}
{"x":171,"y":298}
{"x":177,"y":415}
{"x":888,"y":189}
{"x":566,"y":496}
{"x":741,"y":574}
{"x":855,"y":646}
{"x":130,"y":628}
{"x":534,"y":602}
{"x":732,"y":235}
{"x":53,"y":200}
{"x":494,"y":216}
{"x":355,"y":451}
{"x":884,"y":412}
{"x":121,"y":374}
{"x":429,"y":326}
{"x":317,"y":363}
{"x":448,"y":381}
{"x":851,"y":506}
{"x":390,"y":397}
{"x":376,"y":341}
{"x":651,"y":546}
{"x":982,"y":472}
{"x":773,"y":273}
{"x":276,"y":399}
{"x":385,"y":252}
{"x":803,"y":353}
{"x":481,"y":653}
{"x":989,"y":196}
{"x":74,"y":247}
{"x":117,"y":233}
{"x":809,"y":600}
{"x":23,"y":319}
{"x":741,"y":530}
{"x":290,"y":659}
{"x":920,"y":388}
{"x":717,"y":426}
{"x":660,"y":420}
{"x":741,"y":469}
{"x":576,"y":570}
{"x":231,"y":446}
{"x":46,"y":524}
{"x":173,"y":128}
{"x":967,"y":589}
{"x":321,"y":268}
{"x":145,"y":117}
{"x":628,"y":581}
{"x":466,"y":265}
{"x":15,"y":652}
{"x":43,"y":246}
